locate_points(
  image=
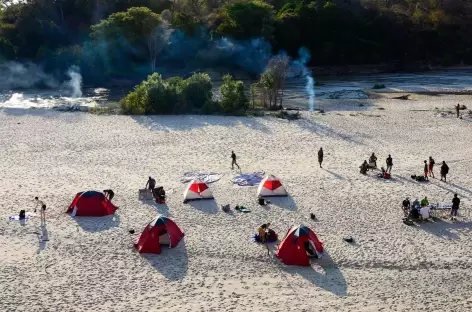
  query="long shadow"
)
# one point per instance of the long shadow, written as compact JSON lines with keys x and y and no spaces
{"x":442,"y":186}
{"x":161,"y":209}
{"x":98,"y":224}
{"x":323,"y":273}
{"x":39,"y":112}
{"x":337,"y":176}
{"x":286,"y":202}
{"x":43,"y":238}
{"x":208,"y":206}
{"x":442,"y":229}
{"x":171,"y":262}
{"x":189,"y":122}
{"x":324,"y":130}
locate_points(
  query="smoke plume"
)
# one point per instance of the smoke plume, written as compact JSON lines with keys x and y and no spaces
{"x":75,"y":82}
{"x":28,"y":75}
{"x":304,"y":57}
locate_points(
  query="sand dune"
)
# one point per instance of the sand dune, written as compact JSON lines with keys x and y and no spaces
{"x":89,"y":264}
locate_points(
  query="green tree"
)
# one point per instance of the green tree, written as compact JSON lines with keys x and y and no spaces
{"x":247,"y":19}
{"x":233,"y":95}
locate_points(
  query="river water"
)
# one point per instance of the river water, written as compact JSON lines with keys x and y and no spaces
{"x":295,"y":94}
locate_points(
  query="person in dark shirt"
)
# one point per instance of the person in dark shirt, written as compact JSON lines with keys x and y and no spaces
{"x":151,"y":184}
{"x":233,"y":162}
{"x":455,"y":207}
{"x":431,"y":166}
{"x":406,"y":206}
{"x":444,"y":171}
{"x":389,"y":163}
{"x":320,"y":156}
{"x":109,"y":194}
{"x":373,"y":160}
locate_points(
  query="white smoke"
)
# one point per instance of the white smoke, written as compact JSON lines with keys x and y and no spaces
{"x":75,"y":82}
{"x":15,"y":75}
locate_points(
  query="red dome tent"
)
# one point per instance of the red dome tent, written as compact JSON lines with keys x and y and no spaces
{"x":92,"y":204}
{"x":292,"y":249}
{"x":161,"y":231}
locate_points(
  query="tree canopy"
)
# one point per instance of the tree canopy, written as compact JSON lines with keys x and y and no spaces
{"x":112,"y":36}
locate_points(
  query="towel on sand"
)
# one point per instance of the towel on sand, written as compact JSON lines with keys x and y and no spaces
{"x":207,"y":177}
{"x":17,"y":217}
{"x":248,"y":179}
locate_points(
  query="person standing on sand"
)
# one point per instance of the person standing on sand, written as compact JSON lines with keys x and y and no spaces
{"x":455,"y":207}
{"x":431,"y":166}
{"x":42,"y":207}
{"x":389,"y":163}
{"x":458,"y":107}
{"x":444,"y":171}
{"x":233,"y":160}
{"x":426,"y":170}
{"x":151,"y":184}
{"x":320,"y":156}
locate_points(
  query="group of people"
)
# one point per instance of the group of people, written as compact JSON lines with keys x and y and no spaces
{"x":372,"y":164}
{"x":421,"y":209}
{"x":158,"y":193}
{"x":428,"y":169}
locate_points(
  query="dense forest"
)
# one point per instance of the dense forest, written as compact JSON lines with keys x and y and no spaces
{"x":131,"y":38}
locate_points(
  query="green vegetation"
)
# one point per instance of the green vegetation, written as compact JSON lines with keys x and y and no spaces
{"x":118,"y":38}
{"x":378,"y":86}
{"x":179,"y":96}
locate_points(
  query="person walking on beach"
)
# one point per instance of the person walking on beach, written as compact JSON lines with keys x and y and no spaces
{"x":233,"y":160}
{"x":455,"y":207}
{"x":389,"y":163}
{"x":426,"y":170}
{"x":320,"y":156}
{"x":42,"y":207}
{"x":431,"y":166}
{"x":458,"y":107}
{"x":444,"y":171}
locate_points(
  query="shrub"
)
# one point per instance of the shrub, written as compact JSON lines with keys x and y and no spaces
{"x":174,"y":95}
{"x":379,"y":86}
{"x":233,"y":95}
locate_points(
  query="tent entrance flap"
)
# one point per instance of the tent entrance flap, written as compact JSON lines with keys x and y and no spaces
{"x":164,"y":239}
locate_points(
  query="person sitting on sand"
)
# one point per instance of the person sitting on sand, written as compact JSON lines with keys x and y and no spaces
{"x":424,"y":212}
{"x":109,"y":194}
{"x":262,"y":233}
{"x":151,"y":184}
{"x":373,"y":161}
{"x":406,"y":206}
{"x":364,"y":167}
{"x":424,"y":202}
{"x":416,"y":204}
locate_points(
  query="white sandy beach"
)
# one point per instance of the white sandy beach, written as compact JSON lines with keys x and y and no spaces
{"x":90,"y":264}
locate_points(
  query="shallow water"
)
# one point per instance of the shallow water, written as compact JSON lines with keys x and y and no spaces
{"x":333,"y":87}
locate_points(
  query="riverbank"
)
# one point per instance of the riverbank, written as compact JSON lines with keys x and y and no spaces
{"x":91,"y":264}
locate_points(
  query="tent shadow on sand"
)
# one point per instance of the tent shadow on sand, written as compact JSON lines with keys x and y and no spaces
{"x":98,"y":224}
{"x":443,"y":229}
{"x":172,"y":263}
{"x":286,"y":202}
{"x":323,"y":273}
{"x":208,"y":206}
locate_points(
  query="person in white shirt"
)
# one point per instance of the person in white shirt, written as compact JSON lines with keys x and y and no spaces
{"x":424,"y":211}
